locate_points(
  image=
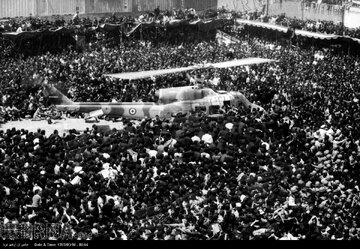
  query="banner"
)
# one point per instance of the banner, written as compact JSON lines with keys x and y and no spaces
{"x":80,"y":42}
{"x":224,"y":38}
{"x":133,"y":29}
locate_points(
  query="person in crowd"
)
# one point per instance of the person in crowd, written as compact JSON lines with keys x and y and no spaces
{"x":289,"y":172}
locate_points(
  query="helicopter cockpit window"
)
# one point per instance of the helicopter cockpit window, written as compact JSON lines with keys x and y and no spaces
{"x":227,"y":104}
{"x":214,"y":109}
{"x":198,"y":94}
{"x":207,"y":92}
{"x":156,"y":96}
{"x":192,"y":94}
{"x":199,"y":109}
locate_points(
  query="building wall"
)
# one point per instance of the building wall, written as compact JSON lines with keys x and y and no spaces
{"x":293,"y":8}
{"x":108,"y":6}
{"x":200,"y":4}
{"x":150,"y":5}
{"x":352,"y":18}
{"x":241,"y":5}
{"x":56,"y":7}
{"x":12,"y":8}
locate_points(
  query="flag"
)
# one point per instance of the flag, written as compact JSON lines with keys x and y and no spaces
{"x":224,"y":38}
{"x":133,"y":30}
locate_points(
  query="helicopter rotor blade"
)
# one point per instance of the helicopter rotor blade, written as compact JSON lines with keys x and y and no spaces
{"x":151,"y":73}
{"x":241,"y":62}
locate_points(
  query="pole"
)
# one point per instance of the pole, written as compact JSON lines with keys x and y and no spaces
{"x":267,"y":8}
{"x":302,"y":10}
{"x":234,"y":27}
{"x":141,"y":32}
{"x":343,"y":18}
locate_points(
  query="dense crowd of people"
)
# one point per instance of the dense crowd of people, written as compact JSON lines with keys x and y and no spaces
{"x":289,"y":172}
{"x":331,"y":2}
{"x":40,"y":23}
{"x":321,"y":26}
{"x":31,"y":23}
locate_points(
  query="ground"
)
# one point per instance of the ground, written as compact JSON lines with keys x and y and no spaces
{"x":63,"y":126}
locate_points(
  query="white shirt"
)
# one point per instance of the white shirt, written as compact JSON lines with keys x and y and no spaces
{"x":7,"y":190}
{"x":76,"y":180}
{"x":195,"y":138}
{"x":152,"y":153}
{"x":36,"y":187}
{"x":207,"y":138}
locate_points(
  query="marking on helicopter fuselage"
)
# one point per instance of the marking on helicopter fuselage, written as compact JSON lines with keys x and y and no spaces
{"x":132,"y":111}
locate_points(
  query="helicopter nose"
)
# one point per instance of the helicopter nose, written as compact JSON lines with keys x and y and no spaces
{"x":68,"y":108}
{"x":239,"y":98}
{"x":235,"y":94}
{"x":235,"y":99}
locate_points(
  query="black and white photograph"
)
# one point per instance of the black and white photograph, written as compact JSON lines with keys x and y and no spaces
{"x":230,"y":120}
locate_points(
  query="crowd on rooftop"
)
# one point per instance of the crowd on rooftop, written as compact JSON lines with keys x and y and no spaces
{"x":321,"y":26}
{"x":32,"y":23}
{"x":289,"y":172}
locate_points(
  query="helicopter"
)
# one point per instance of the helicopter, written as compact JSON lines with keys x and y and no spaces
{"x":169,"y":101}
